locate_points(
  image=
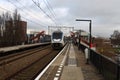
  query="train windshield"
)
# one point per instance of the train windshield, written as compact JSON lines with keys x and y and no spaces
{"x":57,"y":35}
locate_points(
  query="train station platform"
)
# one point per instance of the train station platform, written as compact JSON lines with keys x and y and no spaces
{"x":70,"y":66}
{"x":17,"y":47}
{"x":71,"y":71}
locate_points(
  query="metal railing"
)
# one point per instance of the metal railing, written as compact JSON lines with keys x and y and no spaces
{"x":108,"y":68}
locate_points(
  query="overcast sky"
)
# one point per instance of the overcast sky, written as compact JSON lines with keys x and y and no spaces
{"x":105,"y":14}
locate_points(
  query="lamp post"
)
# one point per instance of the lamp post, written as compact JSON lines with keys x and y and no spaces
{"x":90,"y":25}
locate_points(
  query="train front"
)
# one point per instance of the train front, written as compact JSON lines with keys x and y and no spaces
{"x":57,"y":40}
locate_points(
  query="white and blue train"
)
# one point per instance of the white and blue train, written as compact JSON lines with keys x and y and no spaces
{"x":58,"y":40}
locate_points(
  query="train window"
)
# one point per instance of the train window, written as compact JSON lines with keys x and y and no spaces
{"x":57,"y":35}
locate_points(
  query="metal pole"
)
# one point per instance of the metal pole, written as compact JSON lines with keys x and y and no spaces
{"x":48,"y":30}
{"x":118,"y":71}
{"x":79,"y":39}
{"x":118,"y":67}
{"x":90,"y":40}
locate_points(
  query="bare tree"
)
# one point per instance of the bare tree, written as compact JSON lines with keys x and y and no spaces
{"x":9,"y":28}
{"x":16,"y":16}
{"x":115,"y":38}
{"x":19,"y":17}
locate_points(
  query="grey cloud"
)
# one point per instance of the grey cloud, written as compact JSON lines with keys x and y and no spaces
{"x":104,"y":13}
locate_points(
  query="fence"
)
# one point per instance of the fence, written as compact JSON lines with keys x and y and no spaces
{"x":108,"y":68}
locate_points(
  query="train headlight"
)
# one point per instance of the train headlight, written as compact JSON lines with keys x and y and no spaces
{"x":56,"y":40}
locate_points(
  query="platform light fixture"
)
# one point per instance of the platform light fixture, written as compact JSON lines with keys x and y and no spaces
{"x":90,"y":26}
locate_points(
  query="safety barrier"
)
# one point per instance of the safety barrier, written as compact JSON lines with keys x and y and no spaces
{"x":108,"y":68}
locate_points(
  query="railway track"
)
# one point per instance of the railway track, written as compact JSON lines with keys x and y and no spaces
{"x":27,"y":65}
{"x":30,"y":51}
{"x":20,"y":50}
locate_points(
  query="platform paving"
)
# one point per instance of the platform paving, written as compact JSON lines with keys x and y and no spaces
{"x":71,"y":66}
{"x":89,"y":71}
{"x":72,"y":71}
{"x":17,"y":47}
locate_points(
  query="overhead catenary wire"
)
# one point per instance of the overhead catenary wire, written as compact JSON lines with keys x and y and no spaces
{"x":38,"y":5}
{"x":30,"y":11}
{"x":21,"y":16}
{"x":25,"y":12}
{"x":50,"y":10}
